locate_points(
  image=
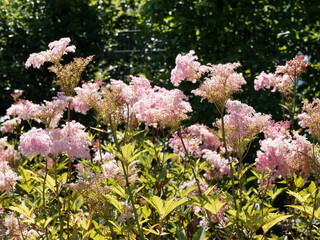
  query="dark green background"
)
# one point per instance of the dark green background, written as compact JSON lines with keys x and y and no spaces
{"x":132,"y":37}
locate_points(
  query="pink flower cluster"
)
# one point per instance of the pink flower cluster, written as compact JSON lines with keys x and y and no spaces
{"x":8,"y":153}
{"x":221,"y":83}
{"x":310,"y":117}
{"x":242,"y":123}
{"x":218,"y":165}
{"x":283,"y":154}
{"x":103,"y":157}
{"x":295,"y":67}
{"x":48,"y":113}
{"x":71,"y":140}
{"x":10,"y":125}
{"x":14,"y":228}
{"x":186,"y":68}
{"x":113,"y":169}
{"x":8,"y":177}
{"x":284,"y":78}
{"x":156,"y":106}
{"x":56,"y":50}
{"x":162,"y":107}
{"x":196,"y":138}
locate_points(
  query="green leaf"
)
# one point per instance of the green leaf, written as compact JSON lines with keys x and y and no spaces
{"x":200,"y":234}
{"x":306,"y":209}
{"x":22,"y":210}
{"x":284,"y":106}
{"x":117,"y":204}
{"x":212,"y":204}
{"x":273,"y":219}
{"x":164,"y":207}
{"x":298,"y":196}
{"x":179,"y":233}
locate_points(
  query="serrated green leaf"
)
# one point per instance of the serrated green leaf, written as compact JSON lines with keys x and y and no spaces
{"x":273,"y":219}
{"x":164,"y":207}
{"x":119,"y":190}
{"x":298,"y":196}
{"x":306,"y":209}
{"x":117,"y":204}
{"x":212,"y":204}
{"x":22,"y":210}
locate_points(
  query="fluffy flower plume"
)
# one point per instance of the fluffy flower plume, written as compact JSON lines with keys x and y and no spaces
{"x":285,"y":155}
{"x":218,"y":165}
{"x":8,"y":177}
{"x":8,"y":153}
{"x":285,"y":77}
{"x":295,"y":67}
{"x":153,"y":106}
{"x":242,"y":124}
{"x":113,"y":169}
{"x":48,"y":113}
{"x":186,"y":68}
{"x":221,"y":83}
{"x":56,"y":50}
{"x":196,"y":138}
{"x":162,"y":107}
{"x":281,"y":83}
{"x":310,"y":117}
{"x":36,"y":141}
{"x":88,"y":96}
{"x":9,"y":126}
{"x":103,"y":157}
{"x":71,"y":140}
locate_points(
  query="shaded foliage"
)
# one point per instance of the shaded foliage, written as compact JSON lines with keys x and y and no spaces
{"x":138,"y":36}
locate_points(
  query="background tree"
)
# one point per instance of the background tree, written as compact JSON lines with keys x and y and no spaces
{"x":139,"y":36}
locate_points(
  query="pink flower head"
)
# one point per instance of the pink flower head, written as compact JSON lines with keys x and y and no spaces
{"x":284,"y":78}
{"x":281,"y":83}
{"x":10,"y":125}
{"x":56,"y":50}
{"x":71,"y":140}
{"x":310,"y":117}
{"x":162,"y":107}
{"x":242,"y":123}
{"x":103,"y":157}
{"x":277,"y":129}
{"x":218,"y":165}
{"x":24,"y":109}
{"x":186,"y":68}
{"x":88,"y":93}
{"x":295,"y":67}
{"x":285,"y":155}
{"x":36,"y":141}
{"x":8,"y":153}
{"x":221,"y":83}
{"x":196,"y":138}
{"x":8,"y":177}
{"x":79,"y":106}
{"x":48,"y":113}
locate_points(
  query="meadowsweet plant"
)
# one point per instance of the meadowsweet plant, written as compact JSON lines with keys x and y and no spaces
{"x":140,"y":173}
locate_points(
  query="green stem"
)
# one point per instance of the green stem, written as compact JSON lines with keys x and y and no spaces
{"x":43,"y":195}
{"x":316,"y":193}
{"x":239,"y":233}
{"x":127,"y":179}
{"x":57,"y":197}
{"x":197,"y":181}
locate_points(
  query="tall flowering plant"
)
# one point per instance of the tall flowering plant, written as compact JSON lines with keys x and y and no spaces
{"x":140,"y":173}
